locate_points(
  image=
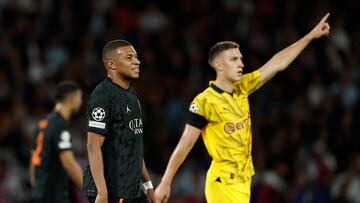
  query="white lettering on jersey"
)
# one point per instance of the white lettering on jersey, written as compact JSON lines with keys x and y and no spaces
{"x":136,"y":125}
{"x":65,"y":138}
{"x":96,"y":124}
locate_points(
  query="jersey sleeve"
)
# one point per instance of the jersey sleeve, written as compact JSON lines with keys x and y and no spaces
{"x":98,"y":112}
{"x":249,"y":82}
{"x":62,"y":140}
{"x":198,"y":113}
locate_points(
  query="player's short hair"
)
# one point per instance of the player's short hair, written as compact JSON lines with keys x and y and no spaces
{"x":113,"y":45}
{"x":220,"y":47}
{"x":63,"y":89}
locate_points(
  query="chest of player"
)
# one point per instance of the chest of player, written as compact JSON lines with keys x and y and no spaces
{"x":229,"y":108}
{"x":126,"y":115}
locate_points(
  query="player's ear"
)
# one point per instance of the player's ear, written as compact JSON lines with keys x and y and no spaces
{"x":217,"y":64}
{"x":110,"y":64}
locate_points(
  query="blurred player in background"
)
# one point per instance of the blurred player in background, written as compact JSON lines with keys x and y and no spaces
{"x":115,"y":133}
{"x":52,"y":160}
{"x":221,"y":114}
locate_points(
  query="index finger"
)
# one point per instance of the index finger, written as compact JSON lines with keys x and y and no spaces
{"x":324,"y":19}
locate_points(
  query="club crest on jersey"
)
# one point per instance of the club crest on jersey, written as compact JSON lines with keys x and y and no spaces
{"x":127,"y":109}
{"x":98,"y":114}
{"x":193,"y":108}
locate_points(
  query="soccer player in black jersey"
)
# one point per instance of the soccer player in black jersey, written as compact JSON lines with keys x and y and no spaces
{"x":115,"y":133}
{"x":52,"y":160}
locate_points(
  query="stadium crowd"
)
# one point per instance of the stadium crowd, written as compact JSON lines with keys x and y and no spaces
{"x":305,"y":122}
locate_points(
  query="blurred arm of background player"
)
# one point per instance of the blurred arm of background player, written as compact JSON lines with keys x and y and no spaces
{"x":186,"y":143}
{"x":94,"y":143}
{"x":70,"y":165}
{"x":32,"y":173}
{"x":282,"y":59}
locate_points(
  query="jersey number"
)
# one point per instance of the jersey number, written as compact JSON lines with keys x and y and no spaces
{"x":36,"y":159}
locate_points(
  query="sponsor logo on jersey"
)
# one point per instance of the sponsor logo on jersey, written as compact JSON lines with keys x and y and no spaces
{"x":230,"y":127}
{"x":136,"y":126}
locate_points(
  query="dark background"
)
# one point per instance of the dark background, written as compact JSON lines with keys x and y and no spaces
{"x":305,"y":121}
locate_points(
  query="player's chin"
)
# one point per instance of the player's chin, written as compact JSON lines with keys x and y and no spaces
{"x":237,"y":78}
{"x":135,"y":75}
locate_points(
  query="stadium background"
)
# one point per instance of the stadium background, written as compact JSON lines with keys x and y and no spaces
{"x":305,"y":121}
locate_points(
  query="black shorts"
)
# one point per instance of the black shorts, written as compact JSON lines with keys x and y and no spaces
{"x":141,"y":199}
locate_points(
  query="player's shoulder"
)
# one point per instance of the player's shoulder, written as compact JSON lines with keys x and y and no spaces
{"x":56,"y":123}
{"x":102,"y":90}
{"x":249,"y":76}
{"x":204,"y":95}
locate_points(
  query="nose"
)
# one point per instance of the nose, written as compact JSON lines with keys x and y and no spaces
{"x":136,"y":61}
{"x":241,"y":64}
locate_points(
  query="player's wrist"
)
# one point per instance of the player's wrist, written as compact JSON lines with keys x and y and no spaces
{"x":102,"y":192}
{"x":166,"y":180}
{"x":310,"y":36}
{"x":148,"y":185}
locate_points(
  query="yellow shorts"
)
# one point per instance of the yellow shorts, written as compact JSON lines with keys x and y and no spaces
{"x":223,"y":186}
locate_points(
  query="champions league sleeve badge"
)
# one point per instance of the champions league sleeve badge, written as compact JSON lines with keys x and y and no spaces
{"x":98,"y":114}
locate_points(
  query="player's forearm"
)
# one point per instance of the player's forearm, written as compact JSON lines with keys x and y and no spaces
{"x":75,"y":172}
{"x":32,"y":174}
{"x":71,"y":166}
{"x":97,"y":167}
{"x":176,"y":159}
{"x":144,"y":173}
{"x":282,"y":59}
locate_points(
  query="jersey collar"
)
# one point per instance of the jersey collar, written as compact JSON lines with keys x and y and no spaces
{"x":218,"y":89}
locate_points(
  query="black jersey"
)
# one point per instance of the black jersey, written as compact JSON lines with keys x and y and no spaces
{"x":115,"y":113}
{"x":50,"y":138}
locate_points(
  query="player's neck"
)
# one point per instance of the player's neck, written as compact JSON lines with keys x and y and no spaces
{"x":63,"y":111}
{"x":224,"y":85}
{"x":120,"y":81}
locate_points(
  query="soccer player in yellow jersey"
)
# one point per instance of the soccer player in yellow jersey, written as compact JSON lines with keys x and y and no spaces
{"x":221,"y":114}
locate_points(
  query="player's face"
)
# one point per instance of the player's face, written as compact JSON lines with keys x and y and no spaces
{"x":126,"y":63}
{"x":76,"y":100}
{"x":231,"y":64}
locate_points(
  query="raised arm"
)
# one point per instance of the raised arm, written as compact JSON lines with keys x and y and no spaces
{"x":186,"y":143}
{"x":95,"y":141}
{"x":282,"y":59}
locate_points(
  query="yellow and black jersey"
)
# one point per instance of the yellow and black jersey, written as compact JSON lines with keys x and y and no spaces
{"x":225,"y":123}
